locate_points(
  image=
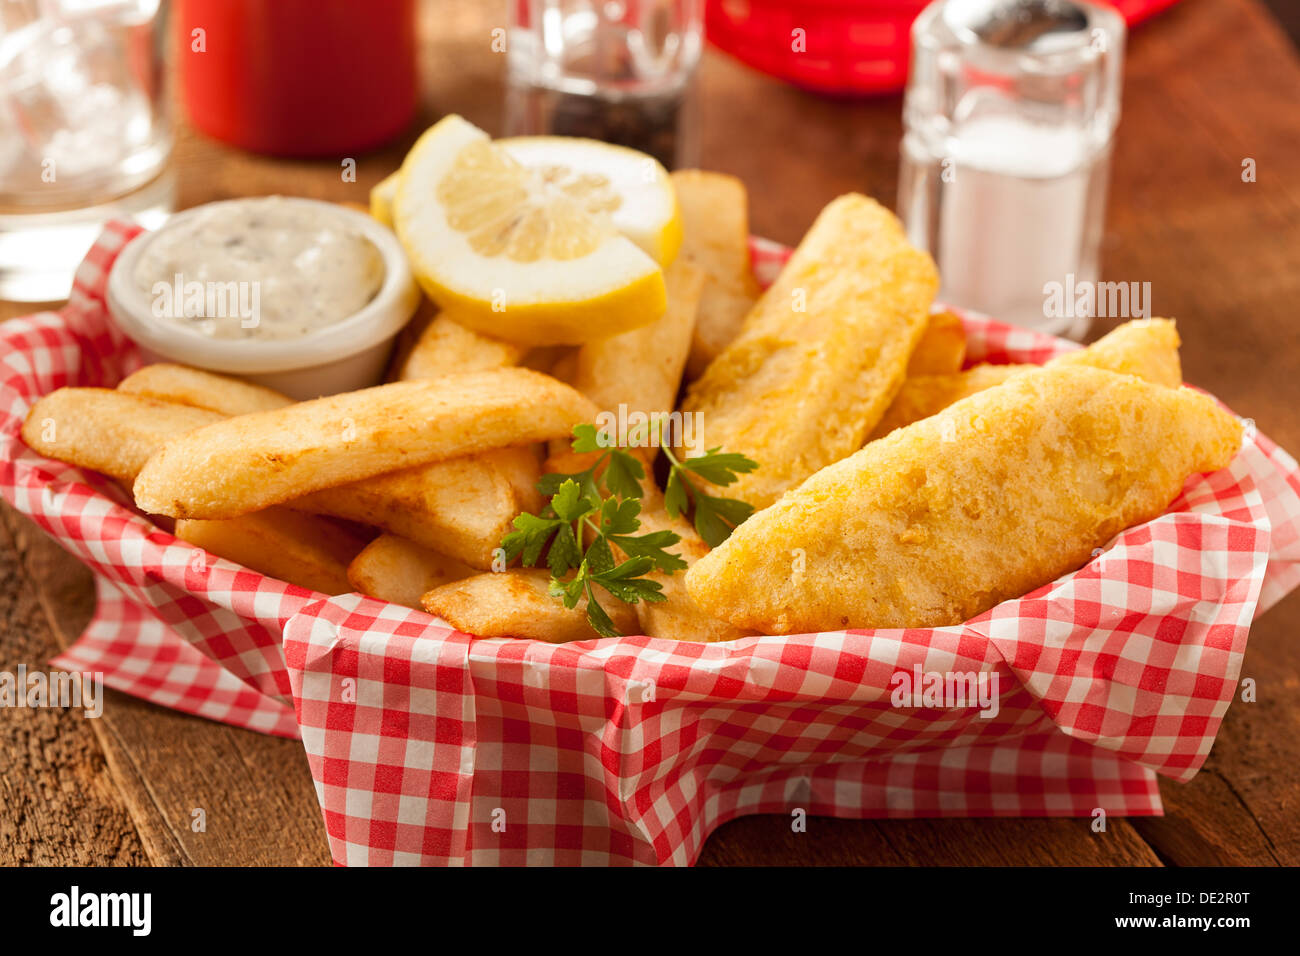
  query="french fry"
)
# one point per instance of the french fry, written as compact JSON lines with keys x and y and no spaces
{"x":254,"y":461}
{"x":518,"y":603}
{"x":823,"y":353}
{"x":678,"y":617}
{"x":942,"y":348}
{"x":1147,"y":348}
{"x":445,"y":348}
{"x":105,"y":430}
{"x":715,"y":237}
{"x":200,"y":389}
{"x":461,"y":507}
{"x":548,"y":358}
{"x":306,"y":550}
{"x":641,"y":371}
{"x":406,"y":339}
{"x":393,"y":568}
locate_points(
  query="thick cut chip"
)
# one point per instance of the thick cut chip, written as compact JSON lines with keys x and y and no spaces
{"x":105,"y":430}
{"x":822,"y":354}
{"x":518,"y":603}
{"x":462,"y":507}
{"x":392,"y":568}
{"x":1147,"y":348}
{"x":996,"y":495}
{"x":446,"y":347}
{"x":306,"y":550}
{"x":942,"y":348}
{"x":715,"y":237}
{"x":200,"y":389}
{"x":247,"y":463}
{"x":678,"y":617}
{"x":632,"y":376}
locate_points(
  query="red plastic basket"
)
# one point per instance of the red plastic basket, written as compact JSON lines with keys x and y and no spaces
{"x":846,"y":46}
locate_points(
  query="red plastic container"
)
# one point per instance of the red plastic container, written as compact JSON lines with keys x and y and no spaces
{"x":849,"y":47}
{"x":298,"y":77}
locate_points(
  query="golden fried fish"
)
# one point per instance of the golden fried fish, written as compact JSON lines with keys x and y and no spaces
{"x":996,"y":495}
{"x":1147,"y":348}
{"x":819,"y":359}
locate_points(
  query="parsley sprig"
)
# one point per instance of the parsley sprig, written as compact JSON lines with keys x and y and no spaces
{"x":594,"y":511}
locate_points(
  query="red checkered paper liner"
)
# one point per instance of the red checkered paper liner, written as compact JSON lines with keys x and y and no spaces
{"x":429,"y":746}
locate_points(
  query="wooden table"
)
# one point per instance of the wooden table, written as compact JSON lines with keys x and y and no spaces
{"x":1209,"y":84}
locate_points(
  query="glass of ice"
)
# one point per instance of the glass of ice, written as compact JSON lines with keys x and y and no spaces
{"x":84,"y":133}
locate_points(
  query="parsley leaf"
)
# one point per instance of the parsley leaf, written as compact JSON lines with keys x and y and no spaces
{"x":594,"y":511}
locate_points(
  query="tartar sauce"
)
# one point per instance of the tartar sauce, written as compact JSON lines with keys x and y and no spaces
{"x":260,"y":268}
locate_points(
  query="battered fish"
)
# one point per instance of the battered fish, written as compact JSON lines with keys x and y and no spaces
{"x":996,"y":495}
{"x":1147,"y":348}
{"x":819,"y":359}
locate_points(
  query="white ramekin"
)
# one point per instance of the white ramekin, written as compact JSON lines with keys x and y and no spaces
{"x":348,"y":355}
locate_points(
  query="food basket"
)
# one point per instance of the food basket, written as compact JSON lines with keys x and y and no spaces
{"x":430,"y":747}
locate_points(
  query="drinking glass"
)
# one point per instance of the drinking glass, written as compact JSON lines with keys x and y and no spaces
{"x":613,"y":70}
{"x":84,"y":133}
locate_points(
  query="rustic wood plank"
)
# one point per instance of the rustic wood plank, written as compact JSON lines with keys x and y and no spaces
{"x":255,"y":790}
{"x":59,"y":802}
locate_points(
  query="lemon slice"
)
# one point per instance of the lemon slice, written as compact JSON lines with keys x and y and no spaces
{"x":630,"y":186}
{"x":381,"y":198}
{"x":538,"y":241}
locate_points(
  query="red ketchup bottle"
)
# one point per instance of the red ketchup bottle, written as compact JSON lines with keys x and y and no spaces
{"x":298,"y":77}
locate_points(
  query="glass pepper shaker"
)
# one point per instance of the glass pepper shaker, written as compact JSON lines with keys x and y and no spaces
{"x":1009,"y":115}
{"x":613,"y":70}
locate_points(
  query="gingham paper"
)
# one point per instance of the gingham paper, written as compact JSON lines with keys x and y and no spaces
{"x":428,"y":746}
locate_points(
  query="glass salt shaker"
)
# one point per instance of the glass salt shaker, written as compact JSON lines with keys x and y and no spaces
{"x":1010,"y":111}
{"x":613,"y":70}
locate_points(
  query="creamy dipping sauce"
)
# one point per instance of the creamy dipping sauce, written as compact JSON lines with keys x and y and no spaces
{"x":259,"y":268}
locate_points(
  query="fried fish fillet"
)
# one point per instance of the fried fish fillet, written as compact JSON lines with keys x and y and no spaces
{"x":996,"y":495}
{"x":819,"y":359}
{"x":1147,"y":348}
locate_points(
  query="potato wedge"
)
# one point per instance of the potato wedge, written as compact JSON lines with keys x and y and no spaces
{"x":309,"y":551}
{"x":823,"y":353}
{"x":393,"y":568}
{"x":462,"y":507}
{"x":248,"y":463}
{"x":105,"y":430}
{"x":942,"y":348}
{"x":445,"y":348}
{"x":715,"y":237}
{"x":200,"y":389}
{"x":517,"y":603}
